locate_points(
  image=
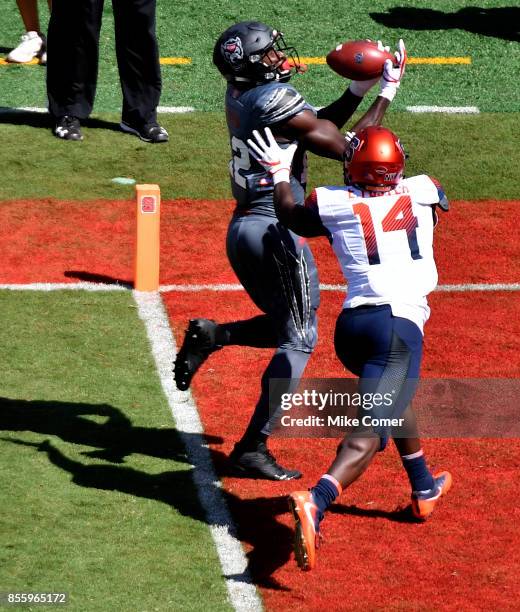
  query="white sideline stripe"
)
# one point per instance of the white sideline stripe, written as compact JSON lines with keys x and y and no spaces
{"x":326,"y":287}
{"x":194,"y":288}
{"x":242,"y":592}
{"x":473,"y":110}
{"x":86,"y":286}
{"x":480,"y":287}
{"x":37,"y":109}
{"x":444,"y":109}
{"x":175,"y":109}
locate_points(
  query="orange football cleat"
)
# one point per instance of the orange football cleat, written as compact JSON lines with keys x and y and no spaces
{"x":307,"y":519}
{"x":423,"y":502}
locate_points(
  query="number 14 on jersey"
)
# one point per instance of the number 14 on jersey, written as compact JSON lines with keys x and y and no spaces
{"x":399,"y":217}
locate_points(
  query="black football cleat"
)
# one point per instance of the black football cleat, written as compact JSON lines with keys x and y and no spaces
{"x":259,"y":464}
{"x":199,"y":343}
{"x":150,"y":132}
{"x":68,"y":128}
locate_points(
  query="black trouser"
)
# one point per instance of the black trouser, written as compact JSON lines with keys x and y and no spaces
{"x":73,"y":52}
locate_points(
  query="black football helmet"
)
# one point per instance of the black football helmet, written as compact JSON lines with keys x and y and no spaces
{"x":240,"y":54}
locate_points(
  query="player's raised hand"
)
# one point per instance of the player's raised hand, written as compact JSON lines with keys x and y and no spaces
{"x":360,"y":88}
{"x":393,"y":73}
{"x":269,"y":154}
{"x":380,"y":45}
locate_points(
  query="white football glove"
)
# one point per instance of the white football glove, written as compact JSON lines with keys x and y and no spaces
{"x":360,"y":88}
{"x":271,"y":156}
{"x":348,"y":137}
{"x":392,"y":74}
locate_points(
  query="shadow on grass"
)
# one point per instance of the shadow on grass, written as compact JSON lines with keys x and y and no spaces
{"x":102,"y":279}
{"x":113,"y":438}
{"x":105,"y":428}
{"x":14,"y":116}
{"x":498,"y":22}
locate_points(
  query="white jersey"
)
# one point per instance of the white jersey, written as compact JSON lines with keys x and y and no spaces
{"x":384,"y":243}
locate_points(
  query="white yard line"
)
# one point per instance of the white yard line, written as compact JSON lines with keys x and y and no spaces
{"x":242,"y":592}
{"x":480,"y":287}
{"x":38,"y":109}
{"x":175,"y":109}
{"x":187,"y":288}
{"x":326,"y":287}
{"x":194,"y":288}
{"x":472,"y":110}
{"x":60,"y":286}
{"x":466,"y":110}
{"x":449,"y":288}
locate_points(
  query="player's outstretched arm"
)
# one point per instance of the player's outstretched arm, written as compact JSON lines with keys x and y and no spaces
{"x":277,"y":162}
{"x":389,"y":84}
{"x":342,"y":109}
{"x":321,"y":135}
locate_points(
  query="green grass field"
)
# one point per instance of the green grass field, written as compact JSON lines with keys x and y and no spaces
{"x":194,"y":165}
{"x":98,"y":499}
{"x":97,"y":493}
{"x":186,"y":30}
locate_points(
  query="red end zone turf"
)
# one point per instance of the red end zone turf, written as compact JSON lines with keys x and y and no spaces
{"x":467,"y":555}
{"x":46,"y":240}
{"x":373,"y":557}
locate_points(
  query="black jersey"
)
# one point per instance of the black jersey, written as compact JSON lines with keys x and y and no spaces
{"x":254,"y":109}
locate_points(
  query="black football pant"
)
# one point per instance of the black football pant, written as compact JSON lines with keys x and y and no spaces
{"x":73,"y":52}
{"x":277,"y":270}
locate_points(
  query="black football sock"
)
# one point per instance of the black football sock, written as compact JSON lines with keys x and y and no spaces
{"x":250,"y":441}
{"x":258,"y":332}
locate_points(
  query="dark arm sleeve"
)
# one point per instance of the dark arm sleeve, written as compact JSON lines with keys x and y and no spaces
{"x":302,"y":220}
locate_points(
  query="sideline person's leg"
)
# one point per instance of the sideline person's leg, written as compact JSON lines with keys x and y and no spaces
{"x":72,"y":63}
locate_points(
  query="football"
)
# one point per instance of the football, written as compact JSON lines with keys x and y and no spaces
{"x":359,"y":60}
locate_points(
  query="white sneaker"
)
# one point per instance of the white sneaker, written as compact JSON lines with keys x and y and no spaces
{"x":30,"y":46}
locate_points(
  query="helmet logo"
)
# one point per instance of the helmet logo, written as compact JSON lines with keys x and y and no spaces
{"x":354,"y":145}
{"x":232,"y":50}
{"x":358,"y":58}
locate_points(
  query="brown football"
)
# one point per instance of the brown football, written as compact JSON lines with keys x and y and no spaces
{"x":359,"y":60}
